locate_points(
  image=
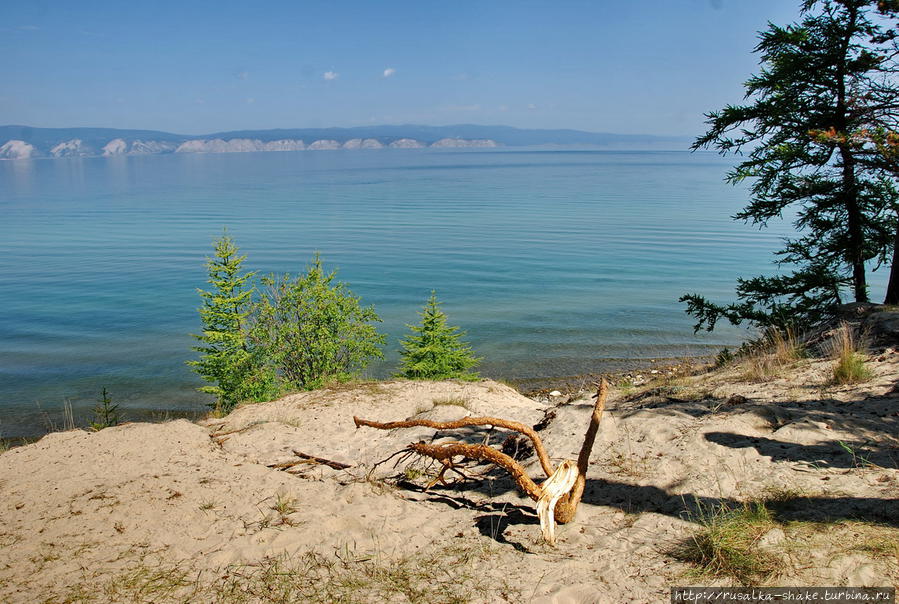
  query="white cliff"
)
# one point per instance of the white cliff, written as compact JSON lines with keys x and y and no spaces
{"x":70,"y":148}
{"x":325,"y":144}
{"x":148,"y":147}
{"x":116,"y":146}
{"x":406,"y":143}
{"x":462,"y":142}
{"x":16,"y":149}
{"x":284,"y":145}
{"x":238,"y":145}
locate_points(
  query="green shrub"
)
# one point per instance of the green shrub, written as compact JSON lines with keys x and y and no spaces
{"x":314,"y":330}
{"x":724,"y":358}
{"x":435,"y":350}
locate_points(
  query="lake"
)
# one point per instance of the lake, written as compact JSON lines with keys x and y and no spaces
{"x":555,"y":262}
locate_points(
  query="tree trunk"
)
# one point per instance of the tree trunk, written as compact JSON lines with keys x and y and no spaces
{"x":855,"y":253}
{"x":893,"y":287}
{"x":854,"y":225}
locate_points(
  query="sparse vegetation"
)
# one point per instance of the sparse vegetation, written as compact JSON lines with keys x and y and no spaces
{"x":284,"y":506}
{"x":771,"y":355}
{"x":727,"y":543}
{"x":882,"y":545}
{"x":459,"y":401}
{"x":68,"y":416}
{"x":849,"y":359}
{"x":724,"y":357}
{"x":859,"y":460}
{"x":730,"y":543}
{"x":106,"y":413}
{"x":628,"y":465}
{"x":445,"y":575}
{"x":626,"y":386}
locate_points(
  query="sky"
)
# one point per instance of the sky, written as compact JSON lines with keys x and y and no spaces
{"x":195,"y":67}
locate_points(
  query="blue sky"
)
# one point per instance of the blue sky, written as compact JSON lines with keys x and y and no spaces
{"x":653,"y":66}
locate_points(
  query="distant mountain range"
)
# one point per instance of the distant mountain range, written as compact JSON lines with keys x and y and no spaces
{"x":18,"y":142}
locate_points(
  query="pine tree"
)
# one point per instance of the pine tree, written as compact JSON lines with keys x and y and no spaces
{"x":435,"y":350}
{"x":822,"y":81}
{"x":227,"y":360}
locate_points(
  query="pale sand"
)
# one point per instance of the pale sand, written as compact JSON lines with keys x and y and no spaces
{"x":89,"y":516}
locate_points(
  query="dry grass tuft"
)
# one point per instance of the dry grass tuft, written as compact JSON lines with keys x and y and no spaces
{"x":849,"y":358}
{"x":727,"y":544}
{"x":777,"y":351}
{"x":739,"y":544}
{"x":459,"y":401}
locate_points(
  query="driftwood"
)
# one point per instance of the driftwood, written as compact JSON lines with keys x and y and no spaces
{"x":464,"y":423}
{"x":557,"y":497}
{"x":305,"y":458}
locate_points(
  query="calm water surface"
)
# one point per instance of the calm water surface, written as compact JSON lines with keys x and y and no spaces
{"x":554,"y":262}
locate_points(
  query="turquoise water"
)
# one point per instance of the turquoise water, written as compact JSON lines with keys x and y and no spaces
{"x":554,"y":262}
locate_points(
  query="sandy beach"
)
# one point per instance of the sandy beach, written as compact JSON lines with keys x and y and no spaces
{"x":285,"y":501}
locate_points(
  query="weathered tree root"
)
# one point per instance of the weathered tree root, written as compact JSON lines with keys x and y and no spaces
{"x":567,"y":506}
{"x":444,"y":452}
{"x":554,"y":488}
{"x":561,"y":492}
{"x":528,"y":431}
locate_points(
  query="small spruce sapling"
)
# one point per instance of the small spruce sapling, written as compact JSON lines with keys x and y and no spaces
{"x":106,"y":413}
{"x":435,"y":350}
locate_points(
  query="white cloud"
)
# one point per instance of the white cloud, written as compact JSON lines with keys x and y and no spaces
{"x":389,"y":72}
{"x":503,"y":107}
{"x":251,"y":100}
{"x":331,"y":75}
{"x":532,"y":106}
{"x":243,"y":75}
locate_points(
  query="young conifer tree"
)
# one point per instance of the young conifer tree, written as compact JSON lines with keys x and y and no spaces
{"x":435,"y":350}
{"x":226,"y":361}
